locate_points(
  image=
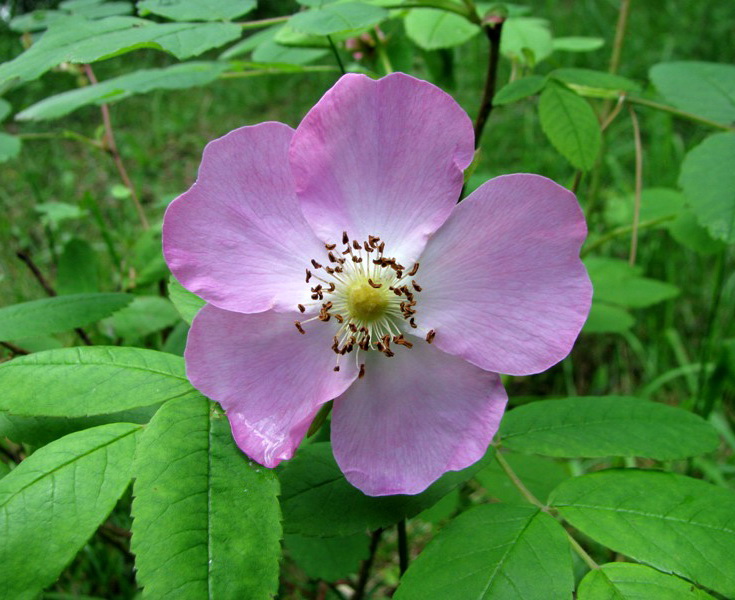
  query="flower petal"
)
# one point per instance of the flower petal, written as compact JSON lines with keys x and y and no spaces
{"x":381,"y":158}
{"x":269,"y":379}
{"x":503,"y":285}
{"x":412,"y":418}
{"x":238,"y":238}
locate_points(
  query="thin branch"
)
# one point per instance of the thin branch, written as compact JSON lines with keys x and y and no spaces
{"x":111,"y":147}
{"x":619,"y":35}
{"x":623,"y":230}
{"x":638,"y":185}
{"x":614,"y":113}
{"x":260,"y":23}
{"x":367,"y":564}
{"x":679,"y":113}
{"x":13,"y":348}
{"x":259,"y":72}
{"x":493,"y":31}
{"x":402,"y":547}
{"x":337,"y":57}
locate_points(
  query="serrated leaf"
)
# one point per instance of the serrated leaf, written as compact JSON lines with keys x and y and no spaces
{"x":79,"y":40}
{"x":526,"y":40}
{"x":176,"y":77}
{"x":671,"y":522}
{"x":328,"y":558}
{"x":493,"y":552}
{"x":570,"y":124}
{"x":196,"y":10}
{"x":708,"y":180}
{"x":186,"y":302}
{"x":703,"y":88}
{"x":206,"y":520}
{"x":60,"y":313}
{"x":606,"y":426}
{"x":519,"y":89}
{"x":318,"y":501}
{"x":625,"y":581}
{"x":77,"y":271}
{"x":9,"y":146}
{"x":336,"y":18}
{"x":54,"y":501}
{"x":143,"y":316}
{"x":432,"y":29}
{"x":94,"y":380}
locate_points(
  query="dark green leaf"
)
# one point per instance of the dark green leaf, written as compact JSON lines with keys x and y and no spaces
{"x":686,"y":230}
{"x":335,"y":18}
{"x":196,"y":10}
{"x":270,"y":52}
{"x":432,"y":29}
{"x":77,"y":269}
{"x":570,"y":124}
{"x":82,"y":381}
{"x":671,"y":522}
{"x":54,"y":501}
{"x":519,"y":89}
{"x":539,"y":474}
{"x":207,"y":522}
{"x":493,"y":552}
{"x":60,"y":313}
{"x":144,"y":315}
{"x":186,"y":303}
{"x":328,"y":558}
{"x":606,"y":426}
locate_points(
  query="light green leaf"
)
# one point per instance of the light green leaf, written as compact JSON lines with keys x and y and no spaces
{"x":605,"y":318}
{"x":270,"y":52}
{"x":9,"y":146}
{"x":196,"y":10}
{"x":206,"y":520}
{"x":671,"y":522}
{"x":78,"y":40}
{"x":318,"y":501}
{"x":570,"y":124}
{"x":5,"y":109}
{"x":181,"y":76}
{"x":54,"y":214}
{"x":689,"y":233}
{"x":703,"y":88}
{"x":657,"y":204}
{"x":539,"y":474}
{"x":186,"y":302}
{"x":432,"y":29}
{"x":54,"y":501}
{"x":625,"y":581}
{"x":526,"y":40}
{"x":36,"y":20}
{"x":493,"y":552}
{"x":77,"y":272}
{"x":616,"y":282}
{"x":251,"y":42}
{"x":590,"y":78}
{"x":94,"y":380}
{"x":336,"y":18}
{"x":577,"y":44}
{"x":606,"y":426}
{"x":519,"y":89}
{"x":708,"y":180}
{"x":328,"y":558}
{"x":60,"y":313}
{"x":143,"y":316}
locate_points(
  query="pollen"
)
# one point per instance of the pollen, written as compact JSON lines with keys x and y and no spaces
{"x":366,"y":302}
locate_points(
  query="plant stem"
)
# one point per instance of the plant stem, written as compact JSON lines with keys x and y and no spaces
{"x":444,"y":5}
{"x":619,"y":36}
{"x":260,"y":23}
{"x":638,"y":186}
{"x":13,"y":348}
{"x":679,"y":113}
{"x":367,"y":564}
{"x":493,"y":32}
{"x":402,"y":547}
{"x":337,"y":57}
{"x":111,"y":147}
{"x":618,"y":231}
{"x":259,"y":72}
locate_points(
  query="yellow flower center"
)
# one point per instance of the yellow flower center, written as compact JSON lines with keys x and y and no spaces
{"x":366,"y":302}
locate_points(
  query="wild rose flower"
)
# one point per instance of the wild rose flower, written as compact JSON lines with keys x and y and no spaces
{"x":336,"y":264}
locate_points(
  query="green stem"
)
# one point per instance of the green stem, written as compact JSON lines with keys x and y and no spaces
{"x":618,"y":231}
{"x":260,"y":72}
{"x":402,"y":547}
{"x":679,"y":113}
{"x":337,"y":57}
{"x":619,"y":35}
{"x":259,"y":24}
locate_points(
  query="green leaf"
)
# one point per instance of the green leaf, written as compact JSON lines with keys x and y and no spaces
{"x":176,"y":77}
{"x":432,"y":29}
{"x":54,"y":213}
{"x":186,"y":302}
{"x":318,"y":501}
{"x":689,"y":233}
{"x":705,"y":89}
{"x":671,"y":522}
{"x":606,"y":426}
{"x":708,"y":180}
{"x":78,"y":40}
{"x":328,"y":558}
{"x":143,"y":316}
{"x":519,"y":89}
{"x":60,"y":313}
{"x":251,"y":42}
{"x":590,"y":78}
{"x":5,"y":109}
{"x":625,"y":581}
{"x":336,"y":18}
{"x":206,"y":520}
{"x":93,"y":380}
{"x":570,"y":124}
{"x":54,"y":501}
{"x":577,"y":44}
{"x":270,"y":52}
{"x":9,"y":146}
{"x":526,"y":40}
{"x":196,"y":10}
{"x":616,"y":282}
{"x":493,"y":552}
{"x":77,"y":272}
{"x":36,"y":20}
{"x":605,"y":318}
{"x":657,"y":204}
{"x":539,"y":474}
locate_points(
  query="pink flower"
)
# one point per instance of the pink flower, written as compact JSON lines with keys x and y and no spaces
{"x":336,"y":264}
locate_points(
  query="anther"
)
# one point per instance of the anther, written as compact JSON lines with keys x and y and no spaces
{"x":308,"y":275}
{"x":401,"y":341}
{"x":356,"y":245}
{"x":315,"y":264}
{"x":374,"y":285}
{"x":332,"y":287}
{"x":299,"y":327}
{"x":416,"y":286}
{"x":332,"y":257}
{"x":413,"y":270}
{"x":339,"y":318}
{"x":336,"y":368}
{"x":327,"y":305}
{"x":302,"y":308}
{"x":345,"y":239}
{"x":357,"y":259}
{"x":381,"y":247}
{"x":430,"y":336}
{"x":361,"y":374}
{"x":412,"y":323}
{"x":330,"y":246}
{"x":329,"y":270}
{"x":367,"y":247}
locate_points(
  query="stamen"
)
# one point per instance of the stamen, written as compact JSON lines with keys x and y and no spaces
{"x":315,"y":264}
{"x":308,"y":275}
{"x":336,"y":368}
{"x":416,"y":286}
{"x":302,"y":308}
{"x":373,"y":284}
{"x":330,"y":246}
{"x":430,"y":336}
{"x":361,"y":374}
{"x":298,"y":326}
{"x":414,"y":270}
{"x":345,"y":239}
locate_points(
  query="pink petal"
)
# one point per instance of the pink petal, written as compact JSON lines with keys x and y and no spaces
{"x":412,"y":418}
{"x":237,"y":238}
{"x":381,"y":158}
{"x":270,"y":379}
{"x":502,"y":282}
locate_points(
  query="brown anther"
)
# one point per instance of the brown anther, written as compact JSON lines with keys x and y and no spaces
{"x":339,"y":318}
{"x":335,"y":344}
{"x":341,"y":261}
{"x":356,"y":259}
{"x":367,"y":247}
{"x":327,"y":305}
{"x":345,"y":239}
{"x":353,"y":328}
{"x":324,"y":317}
{"x":315,"y":296}
{"x":373,"y":284}
{"x":389,"y":353}
{"x":373,"y":239}
{"x":356,"y":245}
{"x":430,"y":336}
{"x":348,"y":250}
{"x":330,"y":246}
{"x":363,"y":329}
{"x":416,"y":286}
{"x":336,"y":368}
{"x":315,"y":264}
{"x":378,"y":261}
{"x":412,"y":323}
{"x":397,"y":292}
{"x":381,"y":247}
{"x":299,"y":327}
{"x":399,"y":273}
{"x":302,"y":308}
{"x":338,"y":269}
{"x":364,"y":344}
{"x":414,"y":270}
{"x":317,"y":288}
{"x":308,"y":275}
{"x":329,"y":270}
{"x":332,"y":287}
{"x":332,"y":257}
{"x":361,"y":374}
{"x":380,"y":347}
{"x":386,"y":341}
{"x":401,"y":341}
